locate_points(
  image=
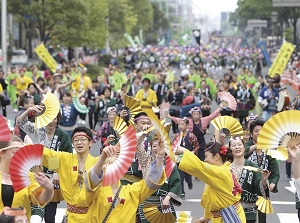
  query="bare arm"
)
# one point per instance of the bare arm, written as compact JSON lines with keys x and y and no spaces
{"x":36,"y":108}
{"x":47,"y":193}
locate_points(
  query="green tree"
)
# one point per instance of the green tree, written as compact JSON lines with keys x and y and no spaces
{"x":144,"y":11}
{"x":293,"y":14}
{"x":159,"y":25}
{"x":251,"y":9}
{"x":67,"y":22}
{"x":122,"y":19}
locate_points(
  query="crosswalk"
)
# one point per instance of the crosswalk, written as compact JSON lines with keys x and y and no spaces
{"x":283,"y":217}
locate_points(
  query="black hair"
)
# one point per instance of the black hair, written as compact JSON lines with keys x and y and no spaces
{"x":257,"y":122}
{"x":94,"y":80}
{"x":31,"y":84}
{"x":23,"y":99}
{"x":177,"y":82}
{"x":203,"y":81}
{"x":105,"y":88}
{"x":40,"y":79}
{"x":214,"y":148}
{"x":83,"y":129}
{"x":140,"y":114}
{"x":58,"y":117}
{"x":66,"y":93}
{"x":146,"y":79}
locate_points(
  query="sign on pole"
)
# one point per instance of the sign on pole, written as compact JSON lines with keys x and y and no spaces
{"x":45,"y":56}
{"x":281,"y":59}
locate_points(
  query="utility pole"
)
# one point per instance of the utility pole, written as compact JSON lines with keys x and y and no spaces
{"x":107,"y":47}
{"x":3,"y":35}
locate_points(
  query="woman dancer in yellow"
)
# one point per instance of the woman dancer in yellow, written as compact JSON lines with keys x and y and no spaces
{"x":38,"y":193}
{"x":221,"y":195}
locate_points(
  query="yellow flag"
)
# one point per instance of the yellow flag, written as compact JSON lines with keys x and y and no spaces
{"x":45,"y":56}
{"x":281,"y":59}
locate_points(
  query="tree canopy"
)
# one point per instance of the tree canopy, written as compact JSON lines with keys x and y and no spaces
{"x":75,"y":23}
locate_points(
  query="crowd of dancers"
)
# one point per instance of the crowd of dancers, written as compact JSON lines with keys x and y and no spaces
{"x":140,"y":100}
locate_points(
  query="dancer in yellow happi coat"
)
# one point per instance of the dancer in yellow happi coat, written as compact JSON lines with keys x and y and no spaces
{"x":39,"y":192}
{"x":71,"y":170}
{"x":221,"y":195}
{"x":100,"y":198}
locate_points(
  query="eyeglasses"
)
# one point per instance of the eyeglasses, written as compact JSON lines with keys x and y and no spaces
{"x":82,"y":140}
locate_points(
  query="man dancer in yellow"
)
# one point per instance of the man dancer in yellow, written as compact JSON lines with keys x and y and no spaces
{"x":100,"y":198}
{"x":71,"y":170}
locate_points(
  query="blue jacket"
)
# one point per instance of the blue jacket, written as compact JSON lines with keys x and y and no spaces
{"x":69,"y":117}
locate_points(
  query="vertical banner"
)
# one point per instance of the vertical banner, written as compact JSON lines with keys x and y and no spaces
{"x":45,"y":56}
{"x":263,"y":47}
{"x":281,"y":59}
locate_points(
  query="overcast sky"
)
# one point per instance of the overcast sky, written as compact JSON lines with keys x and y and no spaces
{"x":213,"y":8}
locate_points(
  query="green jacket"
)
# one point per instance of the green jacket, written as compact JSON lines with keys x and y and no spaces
{"x":267,"y":162}
{"x":250,"y":182}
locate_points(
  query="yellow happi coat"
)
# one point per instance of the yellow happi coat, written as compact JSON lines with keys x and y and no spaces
{"x":219,"y":184}
{"x":68,"y":175}
{"x":100,"y":200}
{"x":26,"y":197}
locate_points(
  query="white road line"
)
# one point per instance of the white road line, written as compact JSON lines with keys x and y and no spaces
{"x":273,"y":202}
{"x":284,"y":217}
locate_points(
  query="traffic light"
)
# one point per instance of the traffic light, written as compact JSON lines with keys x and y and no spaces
{"x":197,"y":35}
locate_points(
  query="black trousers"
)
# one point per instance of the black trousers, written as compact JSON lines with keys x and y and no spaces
{"x":82,"y":116}
{"x":174,"y":125}
{"x":4,"y":111}
{"x":262,"y":217}
{"x":93,"y":119}
{"x":186,"y":177}
{"x":288,"y":169}
{"x":50,"y":212}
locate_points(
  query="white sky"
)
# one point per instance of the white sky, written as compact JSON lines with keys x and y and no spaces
{"x":211,"y":9}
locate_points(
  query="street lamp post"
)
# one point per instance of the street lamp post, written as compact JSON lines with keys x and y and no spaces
{"x":3,"y":35}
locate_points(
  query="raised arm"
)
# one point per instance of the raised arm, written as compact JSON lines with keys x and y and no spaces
{"x":214,"y":176}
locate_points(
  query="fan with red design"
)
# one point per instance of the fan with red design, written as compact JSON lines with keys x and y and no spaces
{"x":25,"y":162}
{"x":116,"y":170}
{"x":4,"y":130}
{"x":228,"y":100}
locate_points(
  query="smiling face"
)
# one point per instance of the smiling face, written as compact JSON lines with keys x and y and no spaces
{"x":237,"y":147}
